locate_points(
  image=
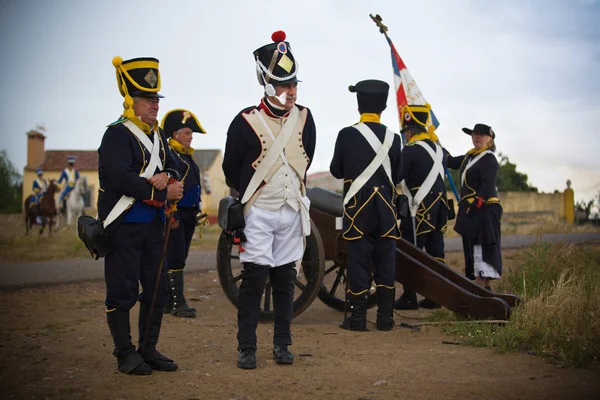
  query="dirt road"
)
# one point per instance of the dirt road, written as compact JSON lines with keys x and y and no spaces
{"x":55,"y":344}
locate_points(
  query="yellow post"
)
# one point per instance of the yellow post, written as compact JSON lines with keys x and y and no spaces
{"x":569,"y":203}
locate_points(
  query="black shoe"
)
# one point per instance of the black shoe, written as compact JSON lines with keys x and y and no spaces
{"x":408,"y":301}
{"x":142,"y":369}
{"x":132,"y":364}
{"x":159,"y":362}
{"x":429,"y":304}
{"x":247,"y":359}
{"x":183,"y":311}
{"x":282,"y":355}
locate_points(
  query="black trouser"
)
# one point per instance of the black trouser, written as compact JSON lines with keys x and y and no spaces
{"x":432,"y":241}
{"x":136,"y":249}
{"x":180,"y":238}
{"x":364,"y":252}
{"x":254,"y":278}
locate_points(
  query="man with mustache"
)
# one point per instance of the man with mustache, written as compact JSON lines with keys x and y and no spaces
{"x":269,"y":149}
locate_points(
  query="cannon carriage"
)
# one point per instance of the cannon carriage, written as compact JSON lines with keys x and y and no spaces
{"x":322,"y":271}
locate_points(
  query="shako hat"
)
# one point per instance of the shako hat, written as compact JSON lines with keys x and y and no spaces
{"x":415,"y":115}
{"x":275,"y":63}
{"x":137,"y":77}
{"x":371,"y":95}
{"x":481,"y":128}
{"x":71,"y":159}
{"x":39,"y":171}
{"x":179,"y":118}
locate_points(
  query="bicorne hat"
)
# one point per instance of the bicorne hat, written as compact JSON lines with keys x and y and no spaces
{"x":179,"y":118}
{"x":39,"y":171}
{"x":415,"y":115}
{"x":371,"y":95}
{"x":275,"y":63}
{"x":481,"y":128}
{"x":71,"y":159}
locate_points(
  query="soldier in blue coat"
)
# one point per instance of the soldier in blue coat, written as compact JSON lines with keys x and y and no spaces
{"x":179,"y":125}
{"x":370,"y":218}
{"x":137,"y":172}
{"x":422,"y":176}
{"x":39,"y":186}
{"x":69,"y":176}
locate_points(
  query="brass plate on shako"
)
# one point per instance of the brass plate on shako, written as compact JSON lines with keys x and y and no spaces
{"x":151,"y":78}
{"x":286,"y":63}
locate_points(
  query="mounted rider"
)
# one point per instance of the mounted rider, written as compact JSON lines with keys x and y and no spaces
{"x":70,"y":176}
{"x":40,"y":185}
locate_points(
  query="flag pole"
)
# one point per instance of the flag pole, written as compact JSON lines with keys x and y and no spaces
{"x":383,"y":30}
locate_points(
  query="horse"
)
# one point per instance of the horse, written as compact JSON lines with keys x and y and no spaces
{"x":75,"y":201}
{"x":32,"y":210}
{"x":48,"y":207}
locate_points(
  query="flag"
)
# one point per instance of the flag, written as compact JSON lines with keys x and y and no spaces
{"x":407,"y":91}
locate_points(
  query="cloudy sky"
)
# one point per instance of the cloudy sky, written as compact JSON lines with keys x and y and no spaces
{"x":529,"y":68}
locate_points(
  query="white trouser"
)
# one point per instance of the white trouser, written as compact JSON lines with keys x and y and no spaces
{"x":273,"y":238}
{"x":483,"y":269}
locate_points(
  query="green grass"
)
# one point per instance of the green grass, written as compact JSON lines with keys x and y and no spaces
{"x":560,"y":319}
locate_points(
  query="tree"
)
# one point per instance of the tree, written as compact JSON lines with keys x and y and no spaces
{"x":10,"y":186}
{"x":509,"y":179}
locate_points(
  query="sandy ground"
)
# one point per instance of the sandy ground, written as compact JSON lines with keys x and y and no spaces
{"x":55,"y":344}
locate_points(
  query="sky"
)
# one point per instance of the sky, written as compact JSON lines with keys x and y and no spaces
{"x":528,"y":68}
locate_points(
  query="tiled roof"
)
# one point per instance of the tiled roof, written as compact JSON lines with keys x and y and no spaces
{"x":205,"y":158}
{"x":56,"y":160}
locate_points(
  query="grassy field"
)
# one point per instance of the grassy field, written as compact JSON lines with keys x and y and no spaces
{"x":64,"y":244}
{"x":560,"y":319}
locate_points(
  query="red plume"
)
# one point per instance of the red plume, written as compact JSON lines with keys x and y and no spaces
{"x":278,"y":36}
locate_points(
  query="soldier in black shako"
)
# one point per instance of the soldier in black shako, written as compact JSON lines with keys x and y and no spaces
{"x":138,"y":175}
{"x":367,"y":158}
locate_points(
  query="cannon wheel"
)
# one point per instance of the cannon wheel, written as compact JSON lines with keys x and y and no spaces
{"x":333,"y":287}
{"x":309,"y":279}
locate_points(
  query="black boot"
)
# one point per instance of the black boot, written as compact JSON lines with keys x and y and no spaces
{"x":148,"y":350}
{"x":357,"y":321}
{"x":385,"y":311}
{"x":129,"y":361}
{"x":429,"y":304}
{"x":408,"y":301}
{"x":177,"y":303}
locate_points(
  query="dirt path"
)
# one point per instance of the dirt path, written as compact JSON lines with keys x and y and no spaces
{"x":55,"y":344}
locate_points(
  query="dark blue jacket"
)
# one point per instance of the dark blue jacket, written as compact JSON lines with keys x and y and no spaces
{"x":373,"y":208}
{"x":121,"y":160}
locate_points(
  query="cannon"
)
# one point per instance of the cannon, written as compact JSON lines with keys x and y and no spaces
{"x":322,"y":271}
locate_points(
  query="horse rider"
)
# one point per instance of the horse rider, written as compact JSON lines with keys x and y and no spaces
{"x":138,"y":175}
{"x":422,"y":176}
{"x":40,"y":185}
{"x":367,"y":157}
{"x":70,"y":176}
{"x":269,"y":148}
{"x":179,"y":126}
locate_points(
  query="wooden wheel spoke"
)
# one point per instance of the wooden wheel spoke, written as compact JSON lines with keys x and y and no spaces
{"x":234,"y":257}
{"x":333,"y":267}
{"x":336,"y":282}
{"x":300,"y":285}
{"x":267,"y":303}
{"x":238,"y":277}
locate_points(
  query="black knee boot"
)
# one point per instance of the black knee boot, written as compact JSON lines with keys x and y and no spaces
{"x":385,"y":308}
{"x":357,"y":321}
{"x":149,"y":339}
{"x":177,"y":305}
{"x":129,"y":361}
{"x":254,"y":278}
{"x":408,"y":301}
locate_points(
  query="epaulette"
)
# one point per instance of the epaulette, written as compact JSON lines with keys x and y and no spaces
{"x":117,"y":122}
